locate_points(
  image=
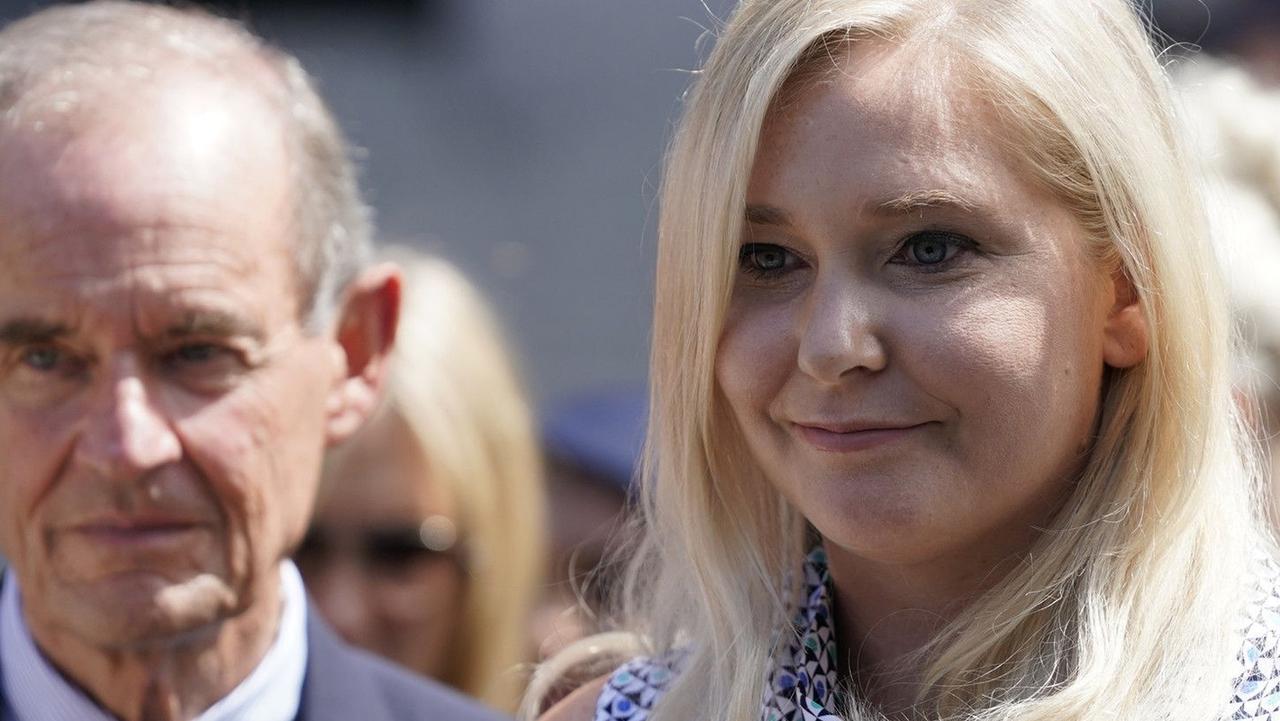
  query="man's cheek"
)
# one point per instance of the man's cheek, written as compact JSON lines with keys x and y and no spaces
{"x":22,"y":515}
{"x":9,"y":546}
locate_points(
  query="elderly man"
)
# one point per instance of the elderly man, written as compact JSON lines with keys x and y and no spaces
{"x":186,"y":322}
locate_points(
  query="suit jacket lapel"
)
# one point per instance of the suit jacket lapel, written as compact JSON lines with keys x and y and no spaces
{"x":336,"y":689}
{"x":5,"y":713}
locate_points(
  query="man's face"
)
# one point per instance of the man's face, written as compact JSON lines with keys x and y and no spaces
{"x":162,"y":412}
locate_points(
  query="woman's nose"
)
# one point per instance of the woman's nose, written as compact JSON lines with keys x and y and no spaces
{"x":841,"y":332}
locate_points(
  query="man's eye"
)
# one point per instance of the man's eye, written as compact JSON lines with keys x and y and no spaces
{"x":204,"y":367}
{"x":48,"y":359}
{"x":42,"y":359}
{"x":197,"y":353}
{"x":764,"y":259}
{"x":44,"y":363}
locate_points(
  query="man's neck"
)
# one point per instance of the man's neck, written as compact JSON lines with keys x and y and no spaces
{"x":174,"y":681}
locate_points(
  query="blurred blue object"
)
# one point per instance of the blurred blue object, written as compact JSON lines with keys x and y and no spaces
{"x":601,"y":432}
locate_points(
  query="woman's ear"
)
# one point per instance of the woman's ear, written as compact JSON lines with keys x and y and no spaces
{"x":365,"y":334}
{"x":1125,"y":336}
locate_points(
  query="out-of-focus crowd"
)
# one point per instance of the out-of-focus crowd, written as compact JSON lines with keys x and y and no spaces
{"x":458,"y":533}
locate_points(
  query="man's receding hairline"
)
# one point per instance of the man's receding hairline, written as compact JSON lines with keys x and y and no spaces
{"x":128,"y":51}
{"x":103,"y":41}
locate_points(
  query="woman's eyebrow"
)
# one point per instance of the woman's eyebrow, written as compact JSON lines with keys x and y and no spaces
{"x":767,"y":215}
{"x":918,"y":200}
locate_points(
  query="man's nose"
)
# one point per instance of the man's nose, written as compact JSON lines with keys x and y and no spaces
{"x":125,"y":434}
{"x":842,"y":332}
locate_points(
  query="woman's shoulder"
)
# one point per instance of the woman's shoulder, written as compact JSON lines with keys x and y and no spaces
{"x":627,"y":694}
{"x":1257,"y":687}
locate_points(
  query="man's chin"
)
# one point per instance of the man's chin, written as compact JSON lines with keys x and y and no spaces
{"x":127,"y":611}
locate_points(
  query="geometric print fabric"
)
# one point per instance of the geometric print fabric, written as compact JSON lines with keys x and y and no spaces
{"x":799,"y":687}
{"x":802,"y":685}
{"x":1257,"y":689}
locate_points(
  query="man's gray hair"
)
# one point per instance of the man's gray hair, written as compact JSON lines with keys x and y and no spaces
{"x":69,"y":45}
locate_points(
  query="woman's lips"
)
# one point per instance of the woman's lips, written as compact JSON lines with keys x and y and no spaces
{"x":852,"y":438}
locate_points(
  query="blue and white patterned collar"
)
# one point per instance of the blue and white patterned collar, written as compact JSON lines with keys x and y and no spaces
{"x":35,"y":691}
{"x":802,"y":685}
{"x":799,"y":687}
{"x":802,"y":682}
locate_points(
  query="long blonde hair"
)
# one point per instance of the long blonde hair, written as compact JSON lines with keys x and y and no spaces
{"x":453,"y":384}
{"x":1129,"y":608}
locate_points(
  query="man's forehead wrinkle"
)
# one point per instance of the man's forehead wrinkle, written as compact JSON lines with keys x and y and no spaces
{"x":99,"y":187}
{"x":154,"y":252}
{"x":148,"y":301}
{"x":67,"y":191}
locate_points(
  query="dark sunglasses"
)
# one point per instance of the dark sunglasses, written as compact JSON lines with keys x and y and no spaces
{"x":389,"y":549}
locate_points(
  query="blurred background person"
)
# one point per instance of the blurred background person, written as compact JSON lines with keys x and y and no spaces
{"x":592,"y":443}
{"x":428,"y":540}
{"x":1235,"y":122}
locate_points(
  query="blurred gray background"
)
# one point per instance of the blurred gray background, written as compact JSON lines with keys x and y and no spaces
{"x":522,"y":139}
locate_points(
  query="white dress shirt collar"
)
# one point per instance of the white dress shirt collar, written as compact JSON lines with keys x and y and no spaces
{"x":36,"y":691}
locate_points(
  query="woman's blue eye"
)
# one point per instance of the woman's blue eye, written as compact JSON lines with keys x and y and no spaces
{"x":763,"y":258}
{"x":933,"y":248}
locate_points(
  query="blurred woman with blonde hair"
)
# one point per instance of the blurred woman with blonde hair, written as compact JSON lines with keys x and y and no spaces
{"x":941,"y":415}
{"x":1234,"y":120}
{"x":428,"y":544}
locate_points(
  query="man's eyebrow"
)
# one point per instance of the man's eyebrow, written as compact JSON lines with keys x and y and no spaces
{"x":213,"y":323}
{"x":920,"y":200}
{"x":767,"y":215}
{"x":26,"y":331}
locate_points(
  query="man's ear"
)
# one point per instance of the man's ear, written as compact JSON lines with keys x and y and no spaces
{"x":1125,"y":338}
{"x":365,"y":334}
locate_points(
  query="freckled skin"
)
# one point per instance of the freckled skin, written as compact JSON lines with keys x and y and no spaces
{"x":163,"y":202}
{"x":997,"y":357}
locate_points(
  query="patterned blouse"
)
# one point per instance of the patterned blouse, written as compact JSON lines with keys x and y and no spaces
{"x":801,"y":687}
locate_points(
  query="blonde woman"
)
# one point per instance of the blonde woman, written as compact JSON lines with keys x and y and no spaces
{"x":428,"y":544}
{"x":942,"y":423}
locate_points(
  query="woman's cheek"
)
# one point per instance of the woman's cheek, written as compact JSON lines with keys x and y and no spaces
{"x":1018,"y":370}
{"x":756,"y":354}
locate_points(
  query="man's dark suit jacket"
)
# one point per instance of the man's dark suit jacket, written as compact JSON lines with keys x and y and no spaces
{"x":346,"y":684}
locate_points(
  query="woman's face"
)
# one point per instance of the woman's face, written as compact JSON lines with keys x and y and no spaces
{"x":364,"y":561}
{"x":916,"y":339}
